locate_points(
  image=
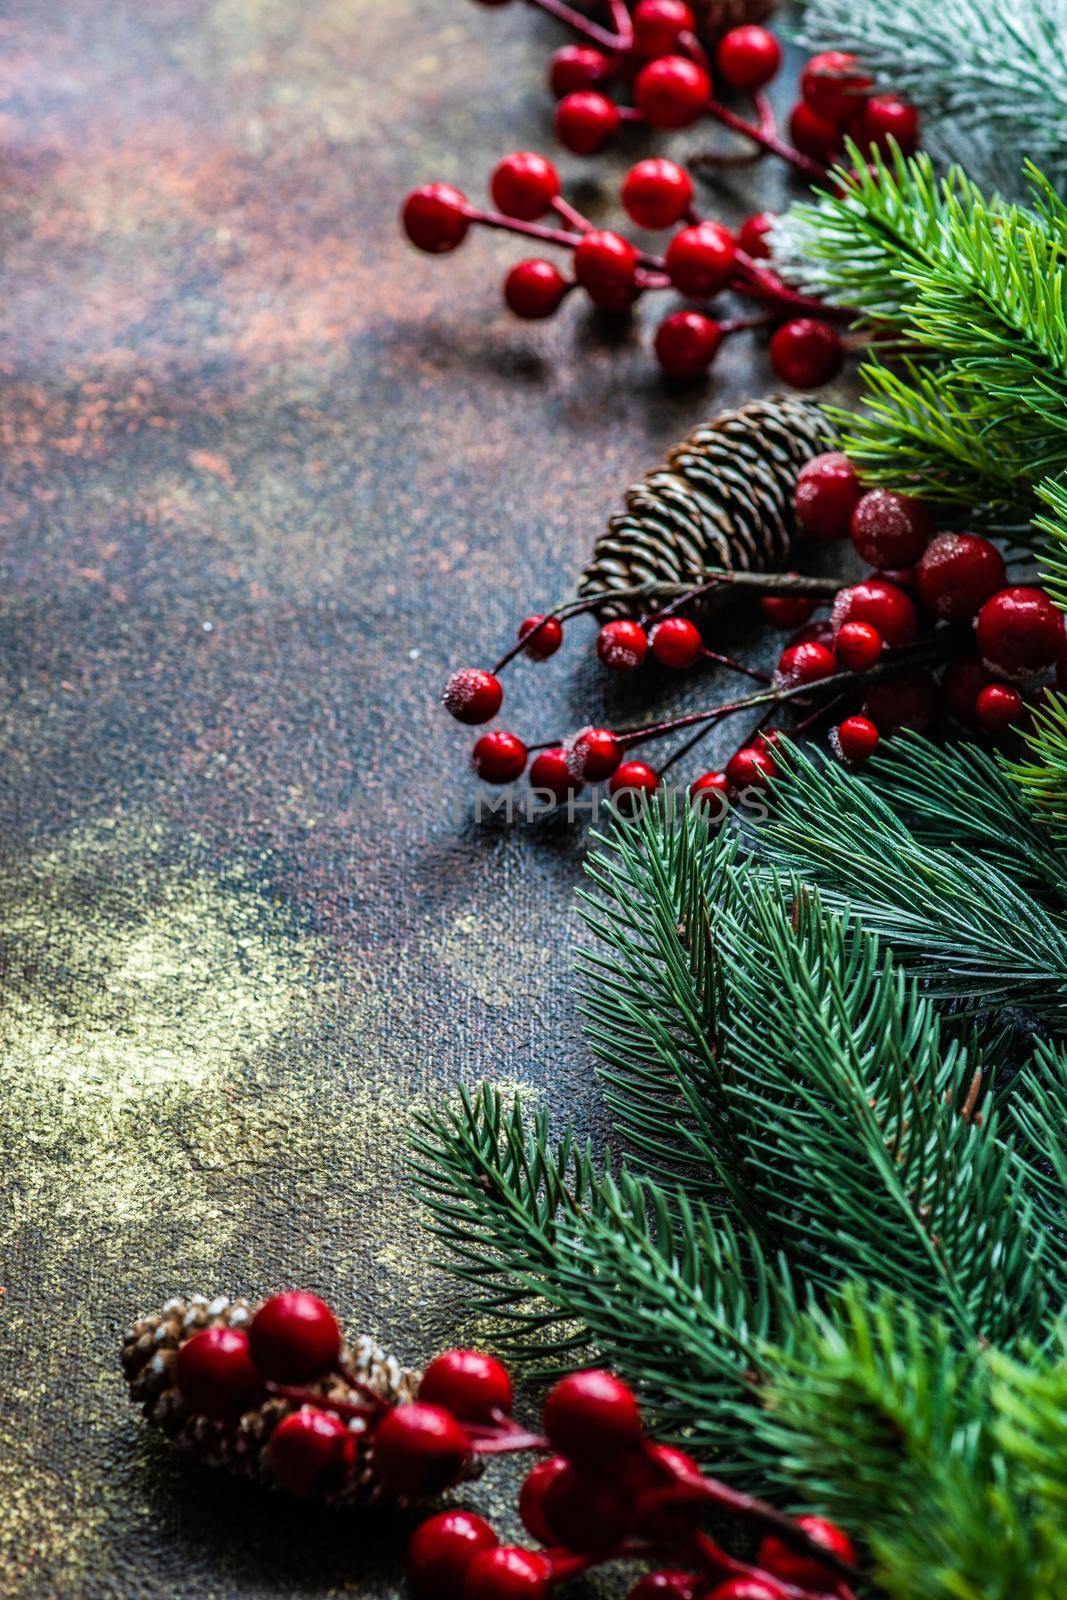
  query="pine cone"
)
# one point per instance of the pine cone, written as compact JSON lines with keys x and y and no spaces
{"x":723,"y":499}
{"x":149,"y":1351}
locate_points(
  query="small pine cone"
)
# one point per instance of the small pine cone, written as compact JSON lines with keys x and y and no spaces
{"x":723,"y":499}
{"x":150,"y":1350}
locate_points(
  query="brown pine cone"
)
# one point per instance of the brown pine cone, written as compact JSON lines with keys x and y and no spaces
{"x":150,"y":1349}
{"x":723,"y":499}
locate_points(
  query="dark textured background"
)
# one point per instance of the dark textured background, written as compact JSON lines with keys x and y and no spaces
{"x":267,"y":476}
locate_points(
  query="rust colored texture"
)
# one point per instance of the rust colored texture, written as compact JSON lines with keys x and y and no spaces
{"x":267,"y":477}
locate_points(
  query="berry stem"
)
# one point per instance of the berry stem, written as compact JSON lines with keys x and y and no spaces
{"x":324,"y":1402}
{"x":756,"y":280}
{"x":736,"y":666}
{"x":768,"y":139}
{"x":571,"y":215}
{"x":532,"y":230}
{"x":502,"y":1444}
{"x":621,"y":40}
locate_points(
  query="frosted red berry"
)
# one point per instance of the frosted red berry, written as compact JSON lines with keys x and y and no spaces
{"x":657,"y":193}
{"x":700,"y":260}
{"x":664,"y":1585}
{"x":524,"y":185}
{"x":471,"y":1385}
{"x":676,"y":642}
{"x":805,"y":663}
{"x":884,"y":605}
{"x":827,"y":493}
{"x":659,"y":24}
{"x":605,"y":264}
{"x":813,"y":135}
{"x":784,"y":1562}
{"x":754,"y":235}
{"x":543,"y":636}
{"x":750,"y":768}
{"x":1019,"y":632}
{"x":436,"y":218}
{"x":534,"y":289}
{"x":672,"y":92}
{"x":999,"y":708}
{"x":748,"y":57}
{"x":834,"y":85}
{"x":885,"y":120}
{"x":294,"y":1337}
{"x":585,"y":121}
{"x":498,"y":757}
{"x":472,"y":696}
{"x":592,"y":1418}
{"x":957,"y":575}
{"x":858,"y":646}
{"x":442,"y":1549}
{"x":549,"y":771}
{"x":806,"y":352}
{"x":508,"y":1573}
{"x":890,"y":530}
{"x":856,"y":740}
{"x":215,"y":1375}
{"x":575,"y":67}
{"x":632,"y":784}
{"x":419,"y":1449}
{"x":909,"y":701}
{"x":308,"y":1452}
{"x":686,"y":343}
{"x":593,"y":754}
{"x":622,"y":646}
{"x":709,"y":796}
{"x":786,"y":610}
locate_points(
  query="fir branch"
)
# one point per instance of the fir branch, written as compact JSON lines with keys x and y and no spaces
{"x":991,"y":79}
{"x":1043,"y":776}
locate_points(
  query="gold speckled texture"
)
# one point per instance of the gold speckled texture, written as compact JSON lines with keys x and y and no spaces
{"x":267,"y":476}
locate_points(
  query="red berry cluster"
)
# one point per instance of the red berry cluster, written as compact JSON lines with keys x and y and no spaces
{"x":932,"y":601}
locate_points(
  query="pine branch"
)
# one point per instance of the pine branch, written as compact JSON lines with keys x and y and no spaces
{"x":990,"y":79}
{"x":1039,"y":1112}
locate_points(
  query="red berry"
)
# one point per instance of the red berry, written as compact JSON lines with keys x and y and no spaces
{"x":308,"y":1452}
{"x":672,"y":92}
{"x":605,"y":264}
{"x":962,"y":682}
{"x":687,"y":343}
{"x":805,"y":663}
{"x":658,"y":25}
{"x":622,"y":645}
{"x":834,"y":85}
{"x":586,"y":1512}
{"x":957,"y":575}
{"x":436,"y":218}
{"x":544,"y":636}
{"x":883,"y":605}
{"x":750,"y":768}
{"x":754,"y":237}
{"x":549,"y":771}
{"x":442,"y":1549}
{"x":747,"y":1589}
{"x":813,"y":135}
{"x":576,"y":67}
{"x":592,"y":1418}
{"x":585,"y":121}
{"x":885,"y":119}
{"x":783,"y":1562}
{"x":657,"y":193}
{"x":632,"y":784}
{"x":999,"y":707}
{"x":419,"y":1449}
{"x":858,"y":646}
{"x":827,"y":493}
{"x":676,"y":643}
{"x":806,"y":353}
{"x":665,"y":1585}
{"x":535,"y":1486}
{"x":890,"y":530}
{"x":659,"y":1466}
{"x":856,"y":740}
{"x":294,"y":1337}
{"x":508,"y":1573}
{"x":748,"y":57}
{"x":786,"y":610}
{"x":709,"y":796}
{"x":593,"y":754}
{"x":524,"y":185}
{"x":905,"y":702}
{"x":1019,"y":633}
{"x":534,"y":289}
{"x":215,"y":1375}
{"x":472,"y":695}
{"x":470,"y":1385}
{"x":700,"y":260}
{"x":819,"y":632}
{"x":498,"y":757}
